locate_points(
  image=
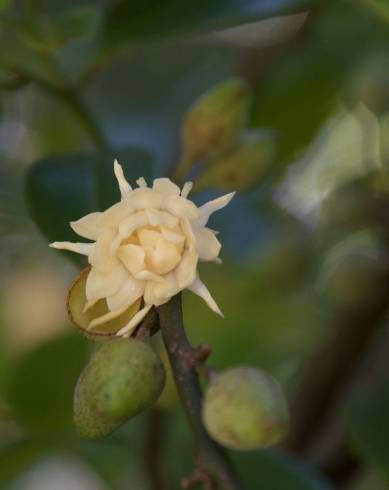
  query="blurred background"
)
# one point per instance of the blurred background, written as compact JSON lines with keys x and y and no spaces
{"x":305,"y":281}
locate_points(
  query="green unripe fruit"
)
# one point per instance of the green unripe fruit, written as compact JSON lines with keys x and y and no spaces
{"x":123,"y":378}
{"x":215,"y":120}
{"x":89,"y":424}
{"x":244,"y":408}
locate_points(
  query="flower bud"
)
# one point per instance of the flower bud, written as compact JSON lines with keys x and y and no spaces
{"x":245,"y":167}
{"x":244,"y":408}
{"x":215,"y":120}
{"x":83,"y":317}
{"x":123,"y":378}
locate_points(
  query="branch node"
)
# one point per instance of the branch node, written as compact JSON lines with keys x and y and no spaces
{"x":198,"y":477}
{"x":201,"y":353}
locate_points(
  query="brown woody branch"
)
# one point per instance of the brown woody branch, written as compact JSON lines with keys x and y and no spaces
{"x":213,"y":465}
{"x":334,"y":367}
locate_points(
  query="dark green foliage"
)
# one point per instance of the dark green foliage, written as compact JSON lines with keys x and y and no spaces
{"x":41,"y":387}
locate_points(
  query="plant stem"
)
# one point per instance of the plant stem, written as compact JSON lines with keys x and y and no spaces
{"x":152,"y":450}
{"x":70,"y":96}
{"x":68,"y":93}
{"x":211,"y":458}
{"x":334,"y":367}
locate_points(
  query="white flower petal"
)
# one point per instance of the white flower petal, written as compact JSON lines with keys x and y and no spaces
{"x":207,"y":245}
{"x":162,"y":258}
{"x":80,"y":248}
{"x":131,"y":290}
{"x":147,"y":275}
{"x":186,"y":270}
{"x":210,"y":207}
{"x":148,"y":238}
{"x":188,"y":232}
{"x":132,"y":223}
{"x":181,"y":207}
{"x":116,"y":242}
{"x":166,"y":186}
{"x":141,"y":182}
{"x":159,"y":293}
{"x":106,"y":317}
{"x":103,"y":284}
{"x":127,"y":330}
{"x":157,"y":217}
{"x":124,"y":186}
{"x":88,"y":226}
{"x":171,"y":235}
{"x":174,"y":236}
{"x":101,"y":256}
{"x":144,"y":198}
{"x":113,"y":216}
{"x":186,"y":189}
{"x":199,"y":288}
{"x":133,"y":257}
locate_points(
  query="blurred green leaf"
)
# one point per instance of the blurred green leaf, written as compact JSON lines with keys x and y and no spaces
{"x":40,"y":391}
{"x":129,"y":21}
{"x":291,"y":91}
{"x":4,"y":4}
{"x":18,"y":57}
{"x":300,"y":90}
{"x":366,"y":419}
{"x":261,"y":326}
{"x":5,"y":357}
{"x":48,"y":32}
{"x":63,"y":188}
{"x":20,"y":456}
{"x":58,"y":190}
{"x":264,"y":469}
{"x":380,"y":8}
{"x":245,"y":167}
{"x":117,"y":455}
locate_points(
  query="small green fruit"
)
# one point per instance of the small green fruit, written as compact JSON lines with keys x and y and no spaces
{"x":89,"y":424}
{"x":244,"y":408}
{"x":215,"y":120}
{"x":123,"y":378}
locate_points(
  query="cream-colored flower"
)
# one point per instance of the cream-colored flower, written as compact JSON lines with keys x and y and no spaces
{"x":147,"y":245}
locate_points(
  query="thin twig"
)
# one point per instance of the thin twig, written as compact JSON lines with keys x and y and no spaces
{"x":342,"y":466}
{"x":152,"y":452}
{"x":69,"y":94}
{"x":211,"y":458}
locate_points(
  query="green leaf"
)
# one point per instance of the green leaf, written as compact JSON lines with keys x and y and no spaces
{"x":265,"y":469}
{"x":20,"y":456}
{"x":48,"y":32}
{"x":290,"y":92}
{"x":40,"y":391}
{"x":4,"y":5}
{"x":63,"y":188}
{"x":129,"y":21}
{"x":18,"y":57}
{"x":301,"y":89}
{"x":366,"y":419}
{"x":58,"y":190}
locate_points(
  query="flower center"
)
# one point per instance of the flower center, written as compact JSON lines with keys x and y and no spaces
{"x":156,"y":248}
